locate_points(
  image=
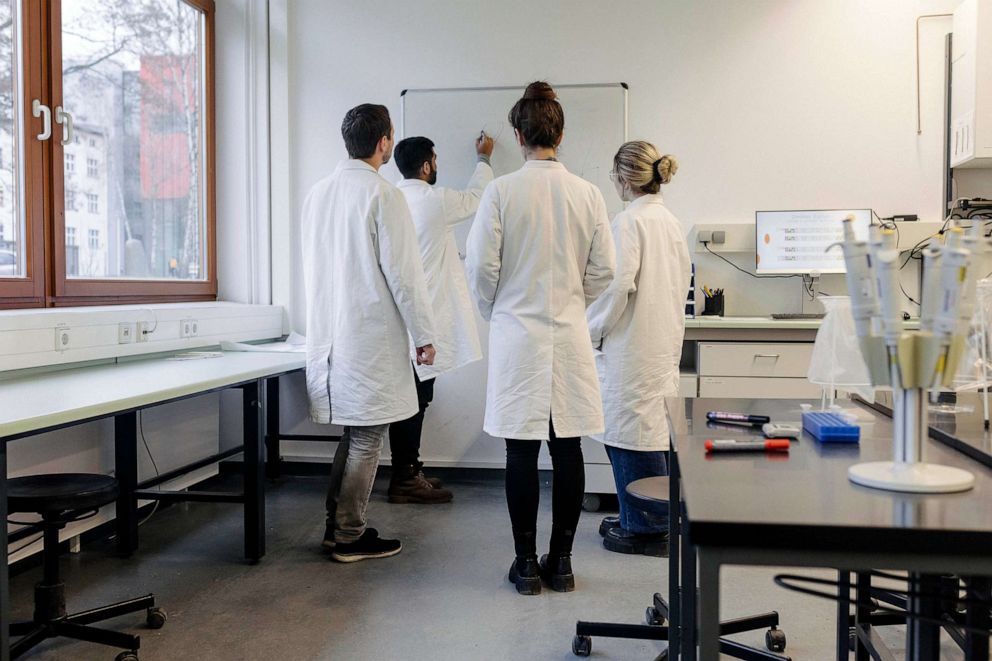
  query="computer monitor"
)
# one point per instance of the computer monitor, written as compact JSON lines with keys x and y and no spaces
{"x":797,"y":241}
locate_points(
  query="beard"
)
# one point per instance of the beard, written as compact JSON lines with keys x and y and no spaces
{"x":432,"y":179}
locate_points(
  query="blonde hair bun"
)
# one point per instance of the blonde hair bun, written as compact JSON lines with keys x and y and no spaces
{"x":641,"y":166}
{"x":666,"y":168}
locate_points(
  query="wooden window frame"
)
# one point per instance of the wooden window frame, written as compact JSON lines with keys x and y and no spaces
{"x":47,"y":284}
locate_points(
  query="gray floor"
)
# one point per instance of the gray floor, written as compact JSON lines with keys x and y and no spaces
{"x":445,"y":597}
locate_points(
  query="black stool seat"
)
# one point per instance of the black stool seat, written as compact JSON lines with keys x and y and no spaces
{"x":54,"y":493}
{"x":649,"y":490}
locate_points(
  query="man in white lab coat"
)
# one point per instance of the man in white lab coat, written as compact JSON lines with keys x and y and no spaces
{"x":436,"y":212}
{"x":366,"y":296}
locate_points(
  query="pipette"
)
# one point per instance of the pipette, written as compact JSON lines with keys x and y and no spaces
{"x":860,"y":280}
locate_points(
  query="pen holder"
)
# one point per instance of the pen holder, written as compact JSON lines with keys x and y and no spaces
{"x":713,"y":305}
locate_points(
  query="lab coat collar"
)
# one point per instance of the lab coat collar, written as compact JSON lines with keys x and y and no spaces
{"x":646,"y":199}
{"x":355,"y":164}
{"x":543,"y":164}
{"x":412,"y":183}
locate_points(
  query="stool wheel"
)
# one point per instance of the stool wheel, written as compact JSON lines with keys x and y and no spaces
{"x":775,"y":640}
{"x":852,"y":639}
{"x":591,"y":502}
{"x":653,"y":618}
{"x":156,"y":617}
{"x":127,"y":656}
{"x":582,"y":646}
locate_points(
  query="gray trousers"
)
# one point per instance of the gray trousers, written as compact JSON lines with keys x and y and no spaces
{"x":352,"y":475}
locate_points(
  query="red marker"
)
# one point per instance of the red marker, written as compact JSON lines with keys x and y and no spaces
{"x":732,"y":445}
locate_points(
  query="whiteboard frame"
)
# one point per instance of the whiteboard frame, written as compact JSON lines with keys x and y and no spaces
{"x":503,"y":88}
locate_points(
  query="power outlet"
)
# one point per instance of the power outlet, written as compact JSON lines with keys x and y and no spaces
{"x":125,"y":333}
{"x":63,"y":338}
{"x":145,"y":328}
{"x":188,"y":328}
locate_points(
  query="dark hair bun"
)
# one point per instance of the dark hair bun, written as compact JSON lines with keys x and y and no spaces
{"x":541,"y":91}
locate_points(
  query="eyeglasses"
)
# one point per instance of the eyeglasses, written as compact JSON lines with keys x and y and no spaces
{"x":613,"y":175}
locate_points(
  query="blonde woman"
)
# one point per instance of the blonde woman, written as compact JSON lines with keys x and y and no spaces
{"x":639,"y":324}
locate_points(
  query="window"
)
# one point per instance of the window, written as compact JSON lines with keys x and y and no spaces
{"x":3,"y":232}
{"x":137,"y":80}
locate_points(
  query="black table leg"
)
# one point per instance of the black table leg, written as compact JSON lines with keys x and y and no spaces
{"x":976,"y":647}
{"x":688,"y":592}
{"x":863,"y":613}
{"x":126,"y":471}
{"x":923,"y":637}
{"x":273,"y":459}
{"x":254,"y":477}
{"x":4,"y":578}
{"x":843,"y":615}
{"x":674,"y":592}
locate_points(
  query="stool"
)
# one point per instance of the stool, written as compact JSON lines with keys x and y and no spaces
{"x":651,"y":494}
{"x":61,"y":499}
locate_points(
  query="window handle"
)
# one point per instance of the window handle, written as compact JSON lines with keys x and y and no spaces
{"x":39,"y":109}
{"x":64,"y":118}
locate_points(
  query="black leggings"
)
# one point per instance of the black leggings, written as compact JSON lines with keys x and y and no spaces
{"x":523,"y":492}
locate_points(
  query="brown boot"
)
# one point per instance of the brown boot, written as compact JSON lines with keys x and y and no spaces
{"x":408,"y":485}
{"x":433,"y":481}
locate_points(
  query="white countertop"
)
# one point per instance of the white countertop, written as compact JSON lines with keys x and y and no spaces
{"x":41,"y":400}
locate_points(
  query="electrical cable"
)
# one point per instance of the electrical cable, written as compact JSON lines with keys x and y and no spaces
{"x":706,"y":245}
{"x":141,"y":430}
{"x":786,"y":581}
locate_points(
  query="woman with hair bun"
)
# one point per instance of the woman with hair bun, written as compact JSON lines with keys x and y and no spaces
{"x":639,"y":324}
{"x":539,"y":252}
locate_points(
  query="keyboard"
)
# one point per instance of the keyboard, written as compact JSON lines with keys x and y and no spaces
{"x":830,"y":427}
{"x":798,"y":315}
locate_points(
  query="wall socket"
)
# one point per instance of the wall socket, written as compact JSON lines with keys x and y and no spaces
{"x":708,"y":236}
{"x":62,"y":338}
{"x":125,"y":333}
{"x":145,"y":328}
{"x":188,"y":328}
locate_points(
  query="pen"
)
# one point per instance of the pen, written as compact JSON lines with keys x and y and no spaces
{"x":732,"y":445}
{"x":738,"y":418}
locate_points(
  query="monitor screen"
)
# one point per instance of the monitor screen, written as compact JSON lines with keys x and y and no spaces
{"x":797,"y":241}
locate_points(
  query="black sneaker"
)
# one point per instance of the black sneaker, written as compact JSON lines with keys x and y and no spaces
{"x":526,"y":575}
{"x":557,"y":572}
{"x":328,"y":542}
{"x":368,"y":546}
{"x":619,"y":540}
{"x":607,"y":523}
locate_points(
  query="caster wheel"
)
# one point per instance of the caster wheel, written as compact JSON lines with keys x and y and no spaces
{"x":591,"y":502}
{"x":653,"y":618}
{"x":775,"y":640}
{"x":127,"y":656}
{"x":156,"y":618}
{"x":582,"y":646}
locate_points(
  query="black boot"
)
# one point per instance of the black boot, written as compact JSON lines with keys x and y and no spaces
{"x":607,"y":523}
{"x":526,"y":575}
{"x":619,"y":540}
{"x":557,"y":572}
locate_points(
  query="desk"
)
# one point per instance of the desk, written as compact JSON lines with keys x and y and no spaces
{"x":757,"y":509}
{"x":47,"y":401}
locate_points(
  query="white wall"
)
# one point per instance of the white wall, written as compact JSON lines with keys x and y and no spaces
{"x":769,"y":104}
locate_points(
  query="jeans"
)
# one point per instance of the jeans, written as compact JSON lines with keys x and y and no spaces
{"x":631,"y":465}
{"x":404,"y":435}
{"x":352,"y":474}
{"x":523,"y":492}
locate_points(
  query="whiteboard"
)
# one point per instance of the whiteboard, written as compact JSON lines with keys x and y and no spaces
{"x":595,"y":127}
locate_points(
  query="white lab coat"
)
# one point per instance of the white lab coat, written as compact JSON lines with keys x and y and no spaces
{"x":640,"y":320}
{"x":436,"y":212}
{"x":539,"y":251}
{"x":365,"y":289}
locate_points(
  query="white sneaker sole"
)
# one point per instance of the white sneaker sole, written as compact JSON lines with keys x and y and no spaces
{"x":365,"y":556}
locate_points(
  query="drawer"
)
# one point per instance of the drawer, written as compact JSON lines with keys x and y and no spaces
{"x":688,"y":385}
{"x":757,"y":388}
{"x":783,"y":359}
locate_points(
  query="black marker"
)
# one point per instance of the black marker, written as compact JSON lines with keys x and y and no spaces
{"x":737,"y":418}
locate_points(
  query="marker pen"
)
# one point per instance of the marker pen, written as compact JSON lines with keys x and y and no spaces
{"x":732,"y":445}
{"x":737,"y":418}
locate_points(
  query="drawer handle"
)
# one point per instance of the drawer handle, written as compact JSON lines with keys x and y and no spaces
{"x":767,"y":355}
